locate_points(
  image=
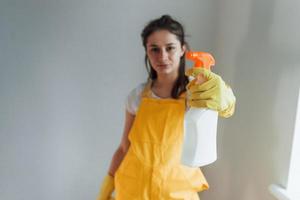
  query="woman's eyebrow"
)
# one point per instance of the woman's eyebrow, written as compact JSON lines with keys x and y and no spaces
{"x":168,"y":44}
{"x":152,"y":45}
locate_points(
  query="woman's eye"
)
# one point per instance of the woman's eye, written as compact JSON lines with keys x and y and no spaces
{"x":155,"y":50}
{"x":170,"y":48}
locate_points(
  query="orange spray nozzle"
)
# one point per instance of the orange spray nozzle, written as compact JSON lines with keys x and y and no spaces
{"x":201,"y":59}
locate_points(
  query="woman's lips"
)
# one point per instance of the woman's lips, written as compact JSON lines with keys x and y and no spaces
{"x":162,"y":65}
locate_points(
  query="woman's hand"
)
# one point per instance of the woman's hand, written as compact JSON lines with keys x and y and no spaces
{"x":211,"y":93}
{"x":107,"y":188}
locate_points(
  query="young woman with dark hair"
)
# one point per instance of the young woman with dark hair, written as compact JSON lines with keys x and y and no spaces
{"x":146,"y":166}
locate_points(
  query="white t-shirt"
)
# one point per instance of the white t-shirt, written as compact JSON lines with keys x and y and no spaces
{"x":134,"y":97}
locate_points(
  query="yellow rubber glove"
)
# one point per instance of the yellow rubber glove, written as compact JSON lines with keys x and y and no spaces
{"x":213,"y":93}
{"x":108,"y":186}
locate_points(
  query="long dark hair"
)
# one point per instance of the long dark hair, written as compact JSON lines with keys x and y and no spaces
{"x":166,"y":22}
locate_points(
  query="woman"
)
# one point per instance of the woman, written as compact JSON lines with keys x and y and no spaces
{"x":146,"y":166}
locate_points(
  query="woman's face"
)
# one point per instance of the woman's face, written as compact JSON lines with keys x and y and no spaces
{"x":164,"y":52}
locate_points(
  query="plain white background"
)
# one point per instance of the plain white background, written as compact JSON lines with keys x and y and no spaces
{"x":67,"y":66}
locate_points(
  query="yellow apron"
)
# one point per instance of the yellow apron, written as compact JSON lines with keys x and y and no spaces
{"x":151,"y":169}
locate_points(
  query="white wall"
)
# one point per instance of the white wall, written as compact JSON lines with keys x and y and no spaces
{"x":258,"y":51}
{"x":65,"y":70}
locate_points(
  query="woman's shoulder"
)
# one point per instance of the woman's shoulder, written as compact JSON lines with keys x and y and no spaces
{"x":134,"y":98}
{"x":138,"y":89}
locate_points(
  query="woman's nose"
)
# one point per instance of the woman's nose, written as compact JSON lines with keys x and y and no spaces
{"x":163,"y":55}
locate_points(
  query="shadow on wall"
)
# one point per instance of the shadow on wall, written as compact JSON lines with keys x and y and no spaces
{"x":259,"y":66}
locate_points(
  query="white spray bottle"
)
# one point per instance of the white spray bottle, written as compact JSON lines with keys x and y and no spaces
{"x":200,"y":124}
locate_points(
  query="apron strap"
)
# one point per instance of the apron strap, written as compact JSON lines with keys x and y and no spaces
{"x":147,"y":89}
{"x":182,"y":95}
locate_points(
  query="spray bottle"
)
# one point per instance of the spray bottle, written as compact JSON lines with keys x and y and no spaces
{"x":200,"y":124}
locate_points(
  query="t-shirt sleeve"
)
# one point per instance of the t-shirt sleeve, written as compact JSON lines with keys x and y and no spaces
{"x":133,"y":99}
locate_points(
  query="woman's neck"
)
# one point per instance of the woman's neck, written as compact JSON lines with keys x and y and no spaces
{"x":162,"y":86}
